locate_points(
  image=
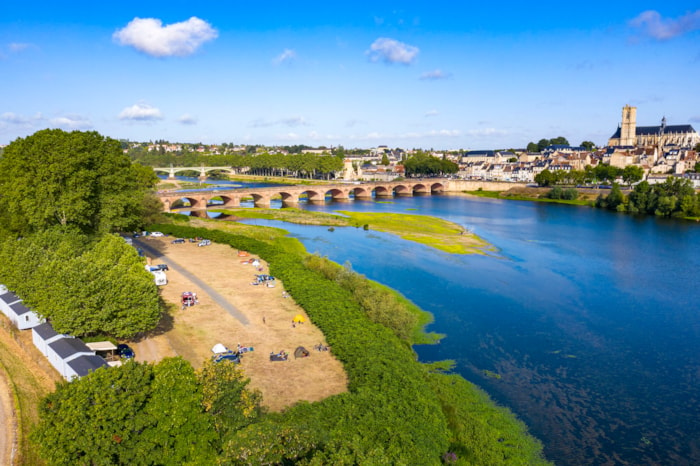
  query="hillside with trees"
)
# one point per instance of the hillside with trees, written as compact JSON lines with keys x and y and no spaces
{"x":64,"y":194}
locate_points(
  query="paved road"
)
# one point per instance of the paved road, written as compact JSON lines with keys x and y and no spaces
{"x":213,"y":294}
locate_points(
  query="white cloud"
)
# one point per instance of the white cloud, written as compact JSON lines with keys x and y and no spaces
{"x":140,"y":112}
{"x":486,"y":132}
{"x":148,"y":35}
{"x":71,"y":122}
{"x":187,"y":119}
{"x":435,"y":74}
{"x":286,"y":56}
{"x":17,"y":47}
{"x":430,"y":113}
{"x":291,"y":122}
{"x":653,"y":25}
{"x":392,"y":51}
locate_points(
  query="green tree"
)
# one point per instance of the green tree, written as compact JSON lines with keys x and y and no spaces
{"x":541,"y":144}
{"x":545,"y":178}
{"x":632,"y":173}
{"x":78,"y":178}
{"x":533,"y":147}
{"x":385,"y":159}
{"x":133,"y":414}
{"x":589,"y":145}
{"x":560,"y":140}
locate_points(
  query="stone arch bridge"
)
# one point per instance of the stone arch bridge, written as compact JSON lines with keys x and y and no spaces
{"x":203,"y":171}
{"x":291,"y":195}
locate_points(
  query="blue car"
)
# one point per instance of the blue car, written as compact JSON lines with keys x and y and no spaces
{"x":125,"y":352}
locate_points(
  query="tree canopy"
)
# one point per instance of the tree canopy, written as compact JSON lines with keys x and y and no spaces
{"x":424,"y":164}
{"x":80,"y":179}
{"x":138,"y":413}
{"x":85,"y":287}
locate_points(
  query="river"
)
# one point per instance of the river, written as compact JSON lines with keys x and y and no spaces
{"x":589,"y":317}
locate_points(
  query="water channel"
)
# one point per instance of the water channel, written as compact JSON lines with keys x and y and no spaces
{"x":589,"y":317}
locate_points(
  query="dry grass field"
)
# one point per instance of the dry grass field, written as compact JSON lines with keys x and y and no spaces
{"x":267,"y":325}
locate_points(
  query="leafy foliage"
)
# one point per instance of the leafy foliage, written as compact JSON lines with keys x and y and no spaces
{"x":673,"y":197}
{"x":83,"y":287}
{"x":424,"y":164}
{"x":79,"y":179}
{"x":133,"y":414}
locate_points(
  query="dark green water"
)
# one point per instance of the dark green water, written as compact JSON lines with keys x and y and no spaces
{"x":590,"y":318}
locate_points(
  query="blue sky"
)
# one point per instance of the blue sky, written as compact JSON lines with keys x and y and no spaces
{"x":358,"y":74}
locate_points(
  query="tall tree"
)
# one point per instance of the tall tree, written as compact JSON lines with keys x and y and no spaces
{"x":589,"y":145}
{"x":78,"y":178}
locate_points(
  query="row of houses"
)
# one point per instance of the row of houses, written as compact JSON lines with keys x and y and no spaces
{"x":71,"y":357}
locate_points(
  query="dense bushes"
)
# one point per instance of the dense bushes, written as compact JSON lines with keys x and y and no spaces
{"x":568,"y":194}
{"x":673,"y":197}
{"x":392,"y":414}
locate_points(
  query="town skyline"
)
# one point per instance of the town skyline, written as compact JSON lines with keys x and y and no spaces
{"x":446,"y":77}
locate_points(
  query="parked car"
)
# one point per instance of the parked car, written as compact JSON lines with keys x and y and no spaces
{"x":163,"y":267}
{"x":124,"y":351}
{"x":204,"y":242}
{"x":178,"y":241}
{"x":157,"y":234}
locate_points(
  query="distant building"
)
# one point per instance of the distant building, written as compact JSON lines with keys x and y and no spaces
{"x":628,"y":134}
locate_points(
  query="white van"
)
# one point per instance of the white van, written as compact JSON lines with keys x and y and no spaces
{"x":160,"y":277}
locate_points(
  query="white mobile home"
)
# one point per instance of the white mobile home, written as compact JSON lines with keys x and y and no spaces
{"x":64,"y":350}
{"x":43,"y":335}
{"x":20,"y":315}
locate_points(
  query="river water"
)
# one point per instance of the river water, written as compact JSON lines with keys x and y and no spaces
{"x":589,"y":317}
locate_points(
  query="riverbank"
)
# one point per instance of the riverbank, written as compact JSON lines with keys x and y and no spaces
{"x":385,"y":380}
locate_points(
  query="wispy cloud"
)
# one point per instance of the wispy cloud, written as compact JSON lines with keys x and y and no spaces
{"x":148,"y":35}
{"x":187,"y":119}
{"x":655,"y":26}
{"x":288,"y":55}
{"x":483,"y":132}
{"x":292,"y":122}
{"x":435,"y":74}
{"x":695,"y":119}
{"x":431,"y":113}
{"x":71,"y":122}
{"x":16,"y":47}
{"x":392,"y":51}
{"x":16,"y":119}
{"x":141,"y":112}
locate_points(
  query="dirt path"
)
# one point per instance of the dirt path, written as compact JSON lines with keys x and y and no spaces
{"x":7,"y":421}
{"x":232,"y":311}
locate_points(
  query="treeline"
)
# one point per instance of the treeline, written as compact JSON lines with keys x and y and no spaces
{"x":674,"y":197}
{"x":424,"y":164}
{"x":300,"y":165}
{"x":83,"y":286}
{"x":590,"y":175}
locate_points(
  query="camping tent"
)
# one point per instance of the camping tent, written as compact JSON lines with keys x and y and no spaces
{"x":300,"y":352}
{"x":298,"y":319}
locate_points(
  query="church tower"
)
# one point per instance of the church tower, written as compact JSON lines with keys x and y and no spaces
{"x":628,"y":133}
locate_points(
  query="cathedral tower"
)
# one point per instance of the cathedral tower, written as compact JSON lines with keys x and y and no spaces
{"x":628,"y":133}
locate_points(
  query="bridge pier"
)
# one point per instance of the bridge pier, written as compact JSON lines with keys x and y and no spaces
{"x":171,"y":175}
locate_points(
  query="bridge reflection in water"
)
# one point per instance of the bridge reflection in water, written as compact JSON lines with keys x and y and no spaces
{"x":292,"y":195}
